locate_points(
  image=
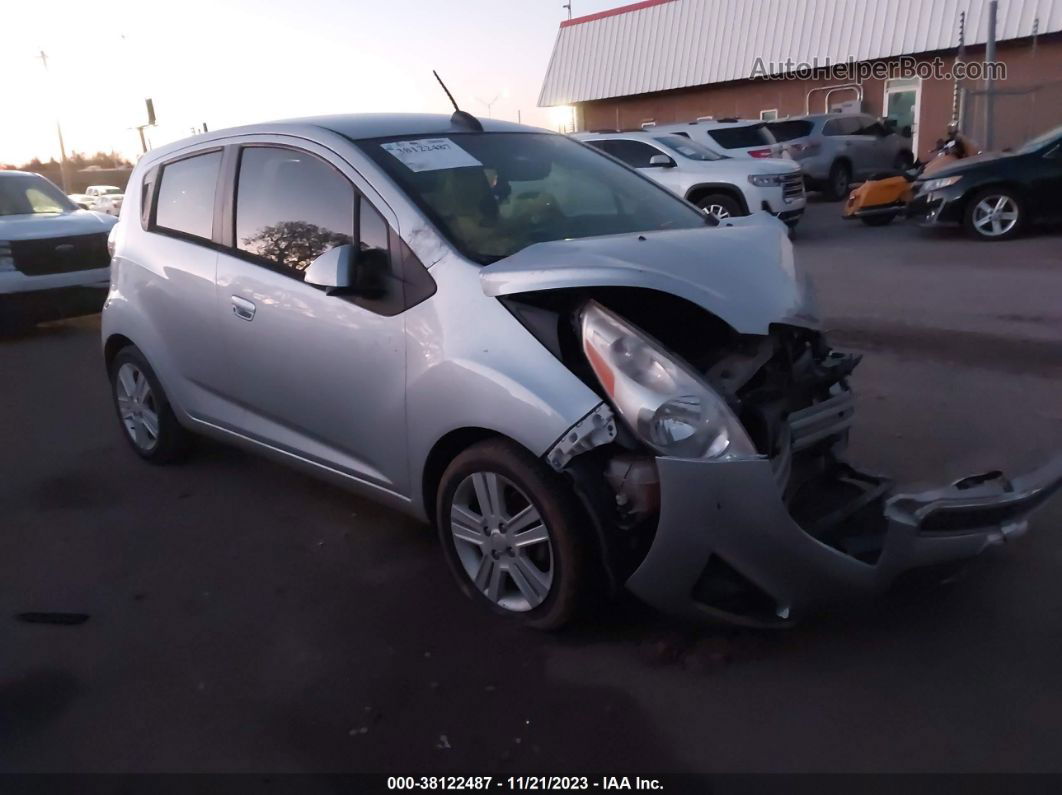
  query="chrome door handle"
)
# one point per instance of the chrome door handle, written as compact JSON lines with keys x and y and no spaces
{"x":242,"y":308}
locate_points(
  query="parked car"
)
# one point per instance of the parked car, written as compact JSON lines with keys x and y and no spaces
{"x":730,"y":137}
{"x":721,"y":186}
{"x":105,"y":198}
{"x":53,"y":255}
{"x":835,"y":149}
{"x":581,"y":379}
{"x":82,"y":200}
{"x":995,"y":195}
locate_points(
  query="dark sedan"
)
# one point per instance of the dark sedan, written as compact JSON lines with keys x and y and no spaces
{"x":996,"y":196}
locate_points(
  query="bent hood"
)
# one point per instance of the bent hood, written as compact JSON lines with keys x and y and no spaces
{"x":743,"y":272}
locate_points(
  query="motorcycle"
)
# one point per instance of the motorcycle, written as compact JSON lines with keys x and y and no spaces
{"x":883,"y":196}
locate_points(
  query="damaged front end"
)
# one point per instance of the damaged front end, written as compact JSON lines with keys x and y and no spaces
{"x":714,"y":469}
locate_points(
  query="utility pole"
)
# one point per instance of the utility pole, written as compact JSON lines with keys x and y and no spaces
{"x":150,"y":105}
{"x":990,"y":57}
{"x":59,"y":129}
{"x":568,"y":6}
{"x":956,"y":101}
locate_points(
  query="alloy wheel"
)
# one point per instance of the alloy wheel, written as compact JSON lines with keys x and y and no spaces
{"x":137,"y":407}
{"x":502,"y":542}
{"x":717,"y":211}
{"x":995,"y":215}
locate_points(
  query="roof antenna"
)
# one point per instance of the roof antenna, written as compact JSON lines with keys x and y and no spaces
{"x":460,"y":117}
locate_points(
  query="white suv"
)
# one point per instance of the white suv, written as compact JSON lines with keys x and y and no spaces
{"x":730,"y":137}
{"x":721,"y":186}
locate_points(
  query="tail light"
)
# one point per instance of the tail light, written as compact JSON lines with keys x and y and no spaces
{"x":803,"y":150}
{"x":759,"y":153}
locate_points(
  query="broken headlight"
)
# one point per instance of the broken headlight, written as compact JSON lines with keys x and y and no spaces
{"x":666,"y":404}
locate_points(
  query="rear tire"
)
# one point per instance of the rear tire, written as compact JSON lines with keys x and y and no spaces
{"x":513,"y":534}
{"x":144,"y":413}
{"x":839,"y":181}
{"x":720,"y":206}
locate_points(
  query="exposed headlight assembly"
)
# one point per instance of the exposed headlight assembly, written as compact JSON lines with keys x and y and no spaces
{"x":766,"y":180}
{"x":931,"y":185}
{"x":668,"y":406}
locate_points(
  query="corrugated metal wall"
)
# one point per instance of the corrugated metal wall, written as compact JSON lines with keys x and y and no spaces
{"x":694,"y":42}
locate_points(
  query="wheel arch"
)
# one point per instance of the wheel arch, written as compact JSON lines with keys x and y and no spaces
{"x":115,"y":343}
{"x":995,"y":184}
{"x":703,"y":189}
{"x":455,"y":442}
{"x":445,"y":450}
{"x":841,"y":159}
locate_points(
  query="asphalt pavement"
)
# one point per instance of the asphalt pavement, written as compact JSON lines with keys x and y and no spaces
{"x":236,"y":616}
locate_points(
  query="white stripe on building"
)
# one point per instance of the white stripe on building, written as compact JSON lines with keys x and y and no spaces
{"x":679,"y":43}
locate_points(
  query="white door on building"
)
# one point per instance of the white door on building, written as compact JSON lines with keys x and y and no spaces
{"x":902,"y":103}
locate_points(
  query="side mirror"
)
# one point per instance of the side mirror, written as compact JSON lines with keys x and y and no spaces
{"x":334,"y":270}
{"x":661,"y":161}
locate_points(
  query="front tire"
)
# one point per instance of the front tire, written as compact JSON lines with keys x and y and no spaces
{"x":994,"y":214}
{"x":839,"y":181}
{"x":512,"y":533}
{"x":144,"y":412}
{"x":720,"y":206}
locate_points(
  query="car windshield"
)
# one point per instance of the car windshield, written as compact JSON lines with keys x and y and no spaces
{"x":110,"y":191}
{"x":789,"y":129}
{"x":687,"y":148}
{"x":29,"y":194}
{"x":1041,"y":140}
{"x":493,"y":194}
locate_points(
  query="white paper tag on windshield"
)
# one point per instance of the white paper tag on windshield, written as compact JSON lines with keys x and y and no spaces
{"x":430,"y":154}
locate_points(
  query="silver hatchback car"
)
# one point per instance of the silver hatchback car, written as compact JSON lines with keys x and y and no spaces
{"x":579,"y":378}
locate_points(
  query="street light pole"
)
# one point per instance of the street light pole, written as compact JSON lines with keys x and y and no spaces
{"x":490,"y":104}
{"x":59,"y":129}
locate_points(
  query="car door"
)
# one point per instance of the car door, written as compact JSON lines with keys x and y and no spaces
{"x":174,"y":284}
{"x":862,"y":145}
{"x":321,"y":377}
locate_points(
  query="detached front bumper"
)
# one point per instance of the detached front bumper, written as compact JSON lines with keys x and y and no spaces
{"x":726,"y":545}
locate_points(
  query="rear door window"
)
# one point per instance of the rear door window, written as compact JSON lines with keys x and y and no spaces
{"x":291,"y":207}
{"x":185,"y":201}
{"x":634,"y":153}
{"x":846,"y":125}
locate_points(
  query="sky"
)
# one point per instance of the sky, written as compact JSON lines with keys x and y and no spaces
{"x":231,"y":62}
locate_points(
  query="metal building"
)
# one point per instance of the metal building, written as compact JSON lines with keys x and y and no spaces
{"x":675,"y":60}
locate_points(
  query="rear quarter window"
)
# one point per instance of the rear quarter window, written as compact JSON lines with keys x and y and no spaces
{"x":788,"y":130}
{"x":742,"y":137}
